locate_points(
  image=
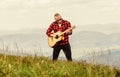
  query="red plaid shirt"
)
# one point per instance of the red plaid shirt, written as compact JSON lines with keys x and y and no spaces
{"x":55,"y":27}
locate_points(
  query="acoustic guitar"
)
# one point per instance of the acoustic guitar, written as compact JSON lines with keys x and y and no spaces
{"x":52,"y":41}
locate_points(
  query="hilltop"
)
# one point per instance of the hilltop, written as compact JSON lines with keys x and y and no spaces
{"x":28,"y":66}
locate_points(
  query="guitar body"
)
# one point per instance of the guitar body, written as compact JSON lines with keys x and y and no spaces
{"x":53,"y":41}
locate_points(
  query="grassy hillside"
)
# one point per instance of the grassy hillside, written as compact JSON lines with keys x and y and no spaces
{"x":16,"y":66}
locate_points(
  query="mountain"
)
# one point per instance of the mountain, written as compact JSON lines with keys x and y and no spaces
{"x":114,"y":38}
{"x":112,"y":58}
{"x":36,"y":39}
{"x":27,"y":40}
{"x":84,"y":44}
{"x":90,"y":39}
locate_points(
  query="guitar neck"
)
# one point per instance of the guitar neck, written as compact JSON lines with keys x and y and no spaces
{"x":66,"y":30}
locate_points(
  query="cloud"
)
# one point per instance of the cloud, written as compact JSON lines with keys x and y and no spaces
{"x":17,"y":4}
{"x":32,"y":13}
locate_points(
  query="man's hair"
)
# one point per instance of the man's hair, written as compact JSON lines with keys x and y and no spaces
{"x":56,"y":14}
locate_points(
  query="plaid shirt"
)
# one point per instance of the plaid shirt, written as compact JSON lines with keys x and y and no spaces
{"x":54,"y":27}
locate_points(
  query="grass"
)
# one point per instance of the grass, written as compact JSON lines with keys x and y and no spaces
{"x":16,"y":66}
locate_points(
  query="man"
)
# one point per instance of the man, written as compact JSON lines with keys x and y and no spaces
{"x":60,"y":25}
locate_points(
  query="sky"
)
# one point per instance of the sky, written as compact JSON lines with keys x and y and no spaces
{"x":20,"y":14}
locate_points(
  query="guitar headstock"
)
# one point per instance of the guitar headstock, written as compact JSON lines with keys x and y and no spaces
{"x":73,"y":27}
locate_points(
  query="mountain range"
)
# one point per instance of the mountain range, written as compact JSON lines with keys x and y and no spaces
{"x":36,"y":38}
{"x":83,"y":43}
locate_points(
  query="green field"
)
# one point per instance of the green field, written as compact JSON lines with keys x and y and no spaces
{"x":16,"y":66}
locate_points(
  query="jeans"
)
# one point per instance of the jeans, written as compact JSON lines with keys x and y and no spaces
{"x":66,"y":49}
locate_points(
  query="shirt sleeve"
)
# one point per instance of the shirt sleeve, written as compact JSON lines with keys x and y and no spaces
{"x":49,"y":30}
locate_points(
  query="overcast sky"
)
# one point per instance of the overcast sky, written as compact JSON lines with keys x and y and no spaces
{"x":20,"y":14}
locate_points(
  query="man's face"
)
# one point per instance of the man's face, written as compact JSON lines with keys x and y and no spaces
{"x":57,"y":18}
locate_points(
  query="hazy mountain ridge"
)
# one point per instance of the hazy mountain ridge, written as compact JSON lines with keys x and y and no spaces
{"x":79,"y":38}
{"x":36,"y":40}
{"x":95,"y":39}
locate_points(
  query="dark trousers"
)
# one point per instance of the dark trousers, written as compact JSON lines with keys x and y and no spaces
{"x":66,"y":49}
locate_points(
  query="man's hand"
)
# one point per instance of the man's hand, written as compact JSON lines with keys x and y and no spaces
{"x":54,"y":35}
{"x":69,"y":32}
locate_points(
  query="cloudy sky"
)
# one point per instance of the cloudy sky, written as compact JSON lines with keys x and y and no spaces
{"x":20,"y":14}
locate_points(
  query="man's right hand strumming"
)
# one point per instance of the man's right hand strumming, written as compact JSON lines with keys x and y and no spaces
{"x":53,"y":35}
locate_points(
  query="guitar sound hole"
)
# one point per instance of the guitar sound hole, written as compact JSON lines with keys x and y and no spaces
{"x":57,"y":37}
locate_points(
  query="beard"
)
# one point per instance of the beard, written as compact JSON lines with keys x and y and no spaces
{"x":60,"y":20}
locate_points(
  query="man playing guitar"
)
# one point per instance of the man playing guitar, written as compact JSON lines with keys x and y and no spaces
{"x":60,"y":25}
